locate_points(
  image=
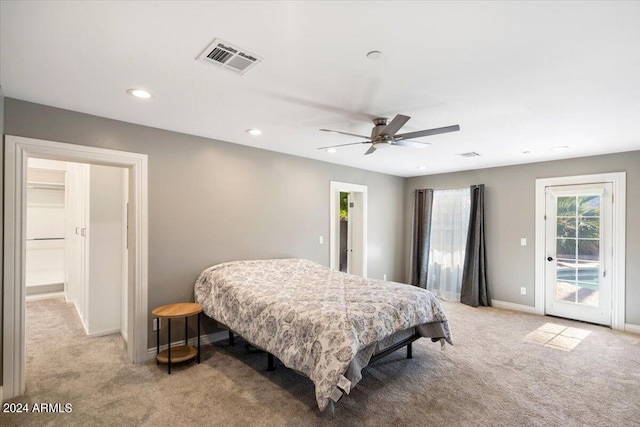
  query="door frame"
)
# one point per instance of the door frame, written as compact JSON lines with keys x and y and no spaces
{"x":600,"y":314}
{"x":618,"y":282}
{"x":335,"y":188}
{"x":17,"y":151}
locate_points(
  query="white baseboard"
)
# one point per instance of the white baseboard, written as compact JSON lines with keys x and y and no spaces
{"x":514,"y":307}
{"x":46,"y":295}
{"x":204,"y":339}
{"x":634,"y":329}
{"x":103,"y":333}
{"x":84,"y":324}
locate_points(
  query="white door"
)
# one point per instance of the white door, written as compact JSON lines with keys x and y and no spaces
{"x":75,"y":235}
{"x":105,"y":249}
{"x":349,"y":231}
{"x":578,"y":230}
{"x":356,"y":233}
{"x":357,"y":222}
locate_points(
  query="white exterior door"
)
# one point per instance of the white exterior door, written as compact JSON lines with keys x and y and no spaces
{"x":578,"y":245}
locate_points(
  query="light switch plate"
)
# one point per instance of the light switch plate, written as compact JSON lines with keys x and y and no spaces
{"x":523,"y":241}
{"x":321,"y":240}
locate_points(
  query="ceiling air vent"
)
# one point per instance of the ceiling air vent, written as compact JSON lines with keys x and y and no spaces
{"x":469,"y":154}
{"x":229,"y":57}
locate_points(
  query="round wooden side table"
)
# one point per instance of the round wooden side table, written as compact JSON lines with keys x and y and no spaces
{"x":180,"y":353}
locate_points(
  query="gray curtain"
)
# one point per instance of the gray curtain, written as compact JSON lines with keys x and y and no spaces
{"x":474,"y":290}
{"x":421,"y":237}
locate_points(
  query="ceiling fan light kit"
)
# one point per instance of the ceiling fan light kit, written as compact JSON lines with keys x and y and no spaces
{"x":384,"y":134}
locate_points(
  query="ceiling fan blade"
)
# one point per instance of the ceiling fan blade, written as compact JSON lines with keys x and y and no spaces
{"x":344,"y":133}
{"x":344,"y":145}
{"x":370,"y":150}
{"x":427,"y":132}
{"x":394,"y":125}
{"x":414,"y":144}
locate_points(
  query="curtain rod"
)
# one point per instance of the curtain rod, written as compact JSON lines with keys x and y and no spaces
{"x":447,"y":189}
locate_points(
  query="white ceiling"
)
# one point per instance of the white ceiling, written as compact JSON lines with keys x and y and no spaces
{"x":516,"y":76}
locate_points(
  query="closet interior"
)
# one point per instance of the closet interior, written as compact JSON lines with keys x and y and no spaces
{"x":76,"y":240}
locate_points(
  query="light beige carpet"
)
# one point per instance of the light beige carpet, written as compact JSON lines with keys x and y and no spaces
{"x":491,"y":377}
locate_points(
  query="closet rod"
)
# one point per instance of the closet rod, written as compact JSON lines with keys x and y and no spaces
{"x":46,"y":238}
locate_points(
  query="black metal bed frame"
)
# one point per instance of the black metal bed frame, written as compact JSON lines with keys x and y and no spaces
{"x":407,"y":342}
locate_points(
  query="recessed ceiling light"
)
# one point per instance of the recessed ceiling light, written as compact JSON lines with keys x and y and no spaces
{"x":139,"y":93}
{"x":422,"y":167}
{"x":254,"y":131}
{"x":332,"y":150}
{"x":374,"y":54}
{"x":560,"y":147}
{"x":526,"y":152}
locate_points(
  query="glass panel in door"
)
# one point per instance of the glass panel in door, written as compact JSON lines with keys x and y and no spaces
{"x":578,"y":224}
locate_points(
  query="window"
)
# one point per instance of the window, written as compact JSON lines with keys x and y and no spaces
{"x":449,"y":226}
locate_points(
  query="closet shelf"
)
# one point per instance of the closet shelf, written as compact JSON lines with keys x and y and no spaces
{"x":37,"y":185}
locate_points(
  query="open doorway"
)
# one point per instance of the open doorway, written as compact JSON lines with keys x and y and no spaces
{"x":76,"y":240}
{"x":17,"y":152}
{"x":345,"y":232}
{"x":348,"y":228}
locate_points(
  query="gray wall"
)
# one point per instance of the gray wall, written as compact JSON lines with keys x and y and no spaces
{"x":509,"y":215}
{"x":211,"y":201}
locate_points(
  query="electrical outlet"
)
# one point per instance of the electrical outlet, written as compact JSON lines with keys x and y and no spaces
{"x":523,"y":291}
{"x":156,"y":324}
{"x":384,"y":277}
{"x":321,"y":240}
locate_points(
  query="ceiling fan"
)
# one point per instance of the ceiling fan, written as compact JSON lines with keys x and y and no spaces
{"x":384,"y":132}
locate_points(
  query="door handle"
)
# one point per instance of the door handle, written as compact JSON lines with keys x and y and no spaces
{"x":549,"y":258}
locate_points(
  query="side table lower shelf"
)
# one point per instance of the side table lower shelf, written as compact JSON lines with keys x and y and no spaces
{"x":179,"y":353}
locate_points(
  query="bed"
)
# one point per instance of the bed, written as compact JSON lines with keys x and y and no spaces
{"x":320,"y":322}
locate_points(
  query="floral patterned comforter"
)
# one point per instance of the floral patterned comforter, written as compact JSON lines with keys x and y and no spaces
{"x":312,"y":318}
